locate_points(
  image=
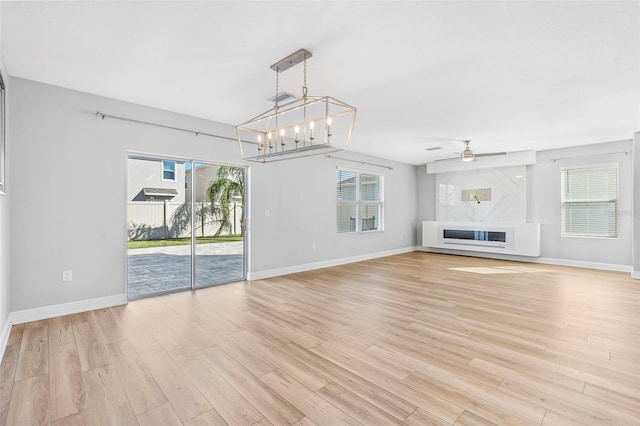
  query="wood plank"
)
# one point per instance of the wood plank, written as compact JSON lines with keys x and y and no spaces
{"x":292,"y":366}
{"x":60,"y":331}
{"x":365,"y":389}
{"x":162,"y":415}
{"x":421,"y":417}
{"x":107,"y":325}
{"x":15,"y":336}
{"x":247,"y":358}
{"x":470,"y":419}
{"x":141,"y":388}
{"x":315,"y":407}
{"x":356,"y":407}
{"x":77,"y":419}
{"x":90,"y":345}
{"x":271,"y":405}
{"x":210,"y":418}
{"x":231,"y":405}
{"x":415,"y":395}
{"x":67,"y":389}
{"x":185,"y":398}
{"x":7,"y":374}
{"x":107,"y":399}
{"x":30,"y":402}
{"x":34,"y":353}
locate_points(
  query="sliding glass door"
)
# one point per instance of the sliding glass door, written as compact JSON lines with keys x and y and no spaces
{"x":185,"y":225}
{"x":219,"y":226}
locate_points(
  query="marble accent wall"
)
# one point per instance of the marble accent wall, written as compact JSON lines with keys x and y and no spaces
{"x":508,"y":195}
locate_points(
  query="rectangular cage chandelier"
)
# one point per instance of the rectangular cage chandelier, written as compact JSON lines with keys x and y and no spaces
{"x":311,"y":125}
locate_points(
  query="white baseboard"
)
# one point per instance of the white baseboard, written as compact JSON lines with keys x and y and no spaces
{"x":4,"y":336}
{"x":582,"y":264}
{"x":46,"y":312}
{"x":544,"y":260}
{"x":259,"y":275}
{"x":635,"y":274}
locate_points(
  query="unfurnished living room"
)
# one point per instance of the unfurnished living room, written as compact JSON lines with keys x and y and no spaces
{"x":319,"y":212}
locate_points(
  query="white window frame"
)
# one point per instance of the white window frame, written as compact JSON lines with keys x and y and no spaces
{"x":591,"y":200}
{"x":359,"y":202}
{"x":175,"y":170}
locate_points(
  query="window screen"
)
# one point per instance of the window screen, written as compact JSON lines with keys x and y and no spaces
{"x":590,"y":201}
{"x":359,"y":201}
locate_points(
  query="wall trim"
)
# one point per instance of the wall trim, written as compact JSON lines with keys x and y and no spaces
{"x":635,"y":274}
{"x":4,"y":336}
{"x":45,"y":312}
{"x":545,"y":260}
{"x":259,"y":275}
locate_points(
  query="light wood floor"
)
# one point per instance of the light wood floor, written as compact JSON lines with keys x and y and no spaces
{"x":398,"y":340}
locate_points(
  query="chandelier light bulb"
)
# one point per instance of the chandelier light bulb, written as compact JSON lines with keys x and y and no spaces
{"x":296,"y":130}
{"x":311,"y":126}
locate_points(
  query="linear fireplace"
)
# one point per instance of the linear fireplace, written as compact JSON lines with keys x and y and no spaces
{"x":519,"y":239}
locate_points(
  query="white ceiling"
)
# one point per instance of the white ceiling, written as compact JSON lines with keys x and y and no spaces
{"x":508,"y":75}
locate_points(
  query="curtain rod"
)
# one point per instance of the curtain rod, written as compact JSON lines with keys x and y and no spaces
{"x":358,"y":161}
{"x":149,"y":123}
{"x":553,"y":160}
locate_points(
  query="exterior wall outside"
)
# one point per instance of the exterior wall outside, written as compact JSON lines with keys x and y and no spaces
{"x":147,"y":173}
{"x":205,"y":175}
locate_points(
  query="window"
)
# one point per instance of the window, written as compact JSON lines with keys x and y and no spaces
{"x":590,"y":201}
{"x":359,"y":199}
{"x":168,"y":170}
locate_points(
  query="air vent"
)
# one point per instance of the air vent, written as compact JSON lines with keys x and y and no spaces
{"x":284,"y":98}
{"x":435,"y":148}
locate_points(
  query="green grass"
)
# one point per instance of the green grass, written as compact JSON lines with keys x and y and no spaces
{"x":182,"y":241}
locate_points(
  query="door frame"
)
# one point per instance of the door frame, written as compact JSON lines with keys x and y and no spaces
{"x":245,"y":210}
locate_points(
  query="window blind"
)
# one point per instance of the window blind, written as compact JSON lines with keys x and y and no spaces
{"x":590,"y":201}
{"x":358,"y":201}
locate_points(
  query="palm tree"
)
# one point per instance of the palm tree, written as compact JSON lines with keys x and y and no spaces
{"x":229,"y":182}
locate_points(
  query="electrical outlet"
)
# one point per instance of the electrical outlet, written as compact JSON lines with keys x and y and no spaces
{"x":314,"y":246}
{"x":67,"y":276}
{"x":401,"y":237}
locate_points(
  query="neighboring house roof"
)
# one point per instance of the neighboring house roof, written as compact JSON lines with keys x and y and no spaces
{"x":159,"y":192}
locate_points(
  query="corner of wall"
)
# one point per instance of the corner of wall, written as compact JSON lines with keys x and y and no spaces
{"x":5,"y":276}
{"x":635,"y":148}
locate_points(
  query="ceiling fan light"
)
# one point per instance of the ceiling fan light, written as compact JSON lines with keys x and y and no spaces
{"x":467,"y":155}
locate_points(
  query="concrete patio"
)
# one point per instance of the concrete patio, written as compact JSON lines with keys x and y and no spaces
{"x":161,"y":269}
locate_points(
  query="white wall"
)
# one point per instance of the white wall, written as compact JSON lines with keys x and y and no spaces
{"x":69,"y":174}
{"x":636,"y":205}
{"x":5,"y":228}
{"x":543,"y":205}
{"x":427,"y":196}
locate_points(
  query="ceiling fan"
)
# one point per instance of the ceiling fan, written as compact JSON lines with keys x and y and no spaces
{"x":469,"y":155}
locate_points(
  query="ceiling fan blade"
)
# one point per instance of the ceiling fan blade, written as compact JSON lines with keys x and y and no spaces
{"x":489,"y":154}
{"x":446,"y":159}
